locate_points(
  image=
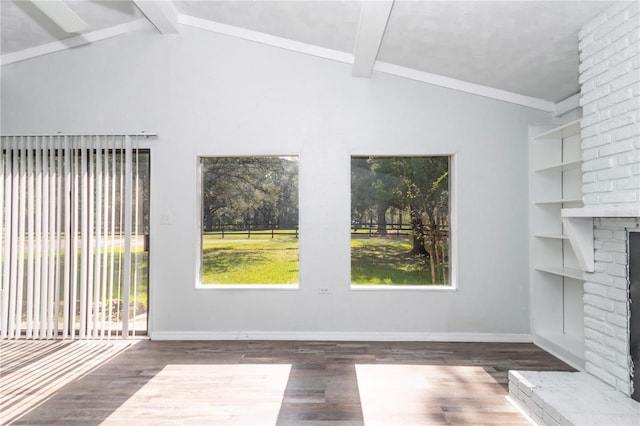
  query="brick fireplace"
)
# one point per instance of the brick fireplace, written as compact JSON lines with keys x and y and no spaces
{"x":610,"y":100}
{"x":610,"y":128}
{"x":606,"y":304}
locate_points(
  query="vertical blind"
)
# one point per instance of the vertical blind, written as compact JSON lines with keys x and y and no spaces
{"x":71,"y":245}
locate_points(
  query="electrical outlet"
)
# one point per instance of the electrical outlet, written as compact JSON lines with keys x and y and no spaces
{"x":323,"y":290}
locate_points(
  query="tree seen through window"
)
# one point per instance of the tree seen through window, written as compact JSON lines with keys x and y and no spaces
{"x":400,"y":220}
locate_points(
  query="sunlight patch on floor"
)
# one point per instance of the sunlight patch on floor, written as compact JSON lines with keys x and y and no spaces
{"x":236,"y":394}
{"x":428,"y":394}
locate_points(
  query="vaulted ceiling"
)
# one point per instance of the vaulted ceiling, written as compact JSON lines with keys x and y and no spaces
{"x":520,"y":51}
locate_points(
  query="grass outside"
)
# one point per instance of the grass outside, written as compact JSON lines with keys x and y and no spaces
{"x":250,"y":261}
{"x":139,"y":269}
{"x":387,"y":262}
{"x":264,"y":260}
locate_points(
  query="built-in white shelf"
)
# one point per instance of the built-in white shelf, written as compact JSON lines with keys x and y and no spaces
{"x":576,"y":274}
{"x":565,"y":131}
{"x":556,"y":274}
{"x":559,"y":201}
{"x":562,"y":167}
{"x":552,"y":236}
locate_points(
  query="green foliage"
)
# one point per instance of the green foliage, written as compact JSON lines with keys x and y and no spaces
{"x":375,"y":186}
{"x":427,"y":180}
{"x":417,"y":186}
{"x":400,"y":182}
{"x":255,"y":190}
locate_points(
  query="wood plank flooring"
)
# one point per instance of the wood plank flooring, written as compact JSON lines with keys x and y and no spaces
{"x":140,"y":382}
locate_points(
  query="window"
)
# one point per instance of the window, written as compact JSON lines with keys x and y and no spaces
{"x":400,"y":220}
{"x":249,"y":220}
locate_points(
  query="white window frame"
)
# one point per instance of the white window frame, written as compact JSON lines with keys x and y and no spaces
{"x":199,"y":231}
{"x":453,"y":236}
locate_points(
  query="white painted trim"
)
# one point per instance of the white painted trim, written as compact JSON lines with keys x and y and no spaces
{"x":566,"y":105}
{"x":268,"y":39}
{"x":464,"y":86}
{"x":60,"y":134}
{"x":373,"y":23}
{"x":342,"y":336}
{"x":86,"y":38}
{"x":162,"y":14}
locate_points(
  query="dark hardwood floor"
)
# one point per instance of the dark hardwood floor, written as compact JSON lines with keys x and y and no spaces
{"x":261,"y":382}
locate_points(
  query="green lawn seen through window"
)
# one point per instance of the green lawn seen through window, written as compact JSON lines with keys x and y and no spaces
{"x":263,"y":260}
{"x":387,"y":262}
{"x":250,"y":261}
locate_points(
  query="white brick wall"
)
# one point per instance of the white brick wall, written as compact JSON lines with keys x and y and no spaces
{"x":606,"y":306}
{"x":610,"y":99}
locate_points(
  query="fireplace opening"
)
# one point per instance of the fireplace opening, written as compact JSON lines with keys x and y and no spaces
{"x":634,"y":320}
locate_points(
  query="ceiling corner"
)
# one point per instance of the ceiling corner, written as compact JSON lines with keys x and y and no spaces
{"x":161,"y":13}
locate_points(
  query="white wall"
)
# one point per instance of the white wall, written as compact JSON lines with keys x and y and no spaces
{"x":210,"y":94}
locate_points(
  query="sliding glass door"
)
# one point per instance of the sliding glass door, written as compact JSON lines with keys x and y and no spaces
{"x":75,"y":227}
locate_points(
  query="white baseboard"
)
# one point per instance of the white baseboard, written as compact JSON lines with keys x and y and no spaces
{"x":572,"y":358}
{"x":342,"y":336}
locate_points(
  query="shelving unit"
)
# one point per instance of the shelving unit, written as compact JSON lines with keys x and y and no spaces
{"x":556,"y":277}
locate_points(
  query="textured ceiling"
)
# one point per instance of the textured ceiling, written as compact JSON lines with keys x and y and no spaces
{"x":23,"y":25}
{"x":524,"y":47}
{"x":330,"y":24}
{"x":530,"y":48}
